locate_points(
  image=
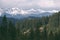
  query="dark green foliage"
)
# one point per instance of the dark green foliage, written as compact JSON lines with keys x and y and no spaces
{"x":43,"y":28}
{"x":45,"y":33}
{"x":8,"y":30}
{"x":51,"y":36}
{"x":31,"y":35}
{"x":12,"y":31}
{"x":4,"y":27}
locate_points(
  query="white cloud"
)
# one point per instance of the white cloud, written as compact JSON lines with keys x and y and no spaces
{"x":30,"y":3}
{"x":46,"y":3}
{"x":1,"y":11}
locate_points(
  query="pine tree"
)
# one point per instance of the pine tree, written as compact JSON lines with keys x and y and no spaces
{"x":4,"y":27}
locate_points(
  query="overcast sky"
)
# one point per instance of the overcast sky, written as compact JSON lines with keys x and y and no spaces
{"x":43,"y":4}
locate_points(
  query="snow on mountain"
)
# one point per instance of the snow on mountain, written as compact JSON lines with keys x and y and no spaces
{"x":23,"y":12}
{"x":51,"y":11}
{"x":19,"y":13}
{"x":32,"y":10}
{"x":41,"y":11}
{"x":15,"y":11}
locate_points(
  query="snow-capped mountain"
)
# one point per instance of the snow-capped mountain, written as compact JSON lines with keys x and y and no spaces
{"x":21,"y":13}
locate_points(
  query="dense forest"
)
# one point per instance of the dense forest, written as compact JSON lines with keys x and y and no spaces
{"x":43,"y":28}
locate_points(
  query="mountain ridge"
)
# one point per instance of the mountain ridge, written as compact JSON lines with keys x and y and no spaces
{"x":21,"y":13}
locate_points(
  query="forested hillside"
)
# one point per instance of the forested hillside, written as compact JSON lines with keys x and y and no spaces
{"x":43,"y":28}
